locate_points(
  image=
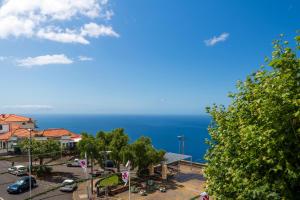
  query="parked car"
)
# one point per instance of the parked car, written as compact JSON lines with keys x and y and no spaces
{"x":11,"y":170}
{"x":22,"y":185}
{"x":109,"y":164}
{"x":74,"y":163}
{"x":68,"y":185}
{"x":97,"y":172}
{"x":18,"y":170}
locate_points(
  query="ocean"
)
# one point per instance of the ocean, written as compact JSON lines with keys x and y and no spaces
{"x":163,"y":130}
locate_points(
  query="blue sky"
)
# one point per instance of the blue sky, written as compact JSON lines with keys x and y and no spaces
{"x":133,"y":57}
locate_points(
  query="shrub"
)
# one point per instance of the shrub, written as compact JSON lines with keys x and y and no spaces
{"x":41,"y":170}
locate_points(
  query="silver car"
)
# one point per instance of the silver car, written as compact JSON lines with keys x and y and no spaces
{"x":18,"y":170}
{"x":68,"y":185}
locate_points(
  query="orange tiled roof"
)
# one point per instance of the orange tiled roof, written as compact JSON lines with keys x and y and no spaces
{"x":19,"y":132}
{"x":24,"y":133}
{"x":57,"y":132}
{"x":13,"y":118}
{"x":49,"y":133}
{"x":14,"y":126}
{"x":5,"y":136}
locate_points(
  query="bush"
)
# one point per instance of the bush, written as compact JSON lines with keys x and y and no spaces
{"x":41,"y":170}
{"x":17,"y":150}
{"x":111,"y":180}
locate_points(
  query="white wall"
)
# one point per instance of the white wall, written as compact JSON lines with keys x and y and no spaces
{"x":5,"y":128}
{"x":26,"y":125}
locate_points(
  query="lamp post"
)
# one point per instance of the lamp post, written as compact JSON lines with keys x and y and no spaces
{"x":181,"y":148}
{"x":105,"y":162}
{"x":30,"y":162}
{"x":87,"y":176}
{"x":181,"y":143}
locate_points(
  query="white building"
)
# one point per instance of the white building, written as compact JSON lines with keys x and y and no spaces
{"x":14,"y":128}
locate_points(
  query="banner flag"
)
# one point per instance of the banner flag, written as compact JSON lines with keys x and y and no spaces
{"x":125,"y":176}
{"x":83,"y":164}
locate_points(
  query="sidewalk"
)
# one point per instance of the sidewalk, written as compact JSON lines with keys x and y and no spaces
{"x":81,"y":192}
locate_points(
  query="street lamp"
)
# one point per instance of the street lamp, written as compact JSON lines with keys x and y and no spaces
{"x":105,"y":163}
{"x":181,"y":143}
{"x":30,"y":162}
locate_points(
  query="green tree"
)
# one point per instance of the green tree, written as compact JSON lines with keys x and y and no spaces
{"x":255,"y":141}
{"x":90,"y":146}
{"x":118,"y":143}
{"x":41,"y":149}
{"x":105,"y":138}
{"x":144,"y":154}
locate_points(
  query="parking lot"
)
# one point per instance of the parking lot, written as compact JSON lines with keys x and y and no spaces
{"x":60,"y":173}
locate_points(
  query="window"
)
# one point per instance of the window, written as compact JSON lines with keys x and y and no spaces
{"x":1,"y":128}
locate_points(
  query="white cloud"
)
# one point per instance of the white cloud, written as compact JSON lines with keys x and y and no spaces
{"x":11,"y":25}
{"x":44,"y":60}
{"x":32,"y":18}
{"x":30,"y":107}
{"x":59,"y":35}
{"x":108,"y":14}
{"x":104,"y":2}
{"x":216,"y":39}
{"x":95,"y":30}
{"x":84,"y":58}
{"x":2,"y":58}
{"x":92,"y":30}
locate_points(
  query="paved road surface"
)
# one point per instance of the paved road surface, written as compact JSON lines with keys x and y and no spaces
{"x":63,"y":173}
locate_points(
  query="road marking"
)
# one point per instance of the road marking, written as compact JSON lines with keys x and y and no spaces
{"x":1,"y":198}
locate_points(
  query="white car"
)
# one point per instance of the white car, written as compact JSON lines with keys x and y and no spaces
{"x":75,"y":163}
{"x":18,"y":170}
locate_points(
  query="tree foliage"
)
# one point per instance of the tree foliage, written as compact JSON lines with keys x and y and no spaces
{"x":119,"y":141}
{"x":41,"y":149}
{"x":141,"y":153}
{"x":90,"y":146}
{"x":144,"y":154}
{"x":115,"y":142}
{"x":255,"y":141}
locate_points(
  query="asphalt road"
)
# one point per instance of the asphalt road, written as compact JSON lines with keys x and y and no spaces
{"x":60,"y":173}
{"x":55,"y":195}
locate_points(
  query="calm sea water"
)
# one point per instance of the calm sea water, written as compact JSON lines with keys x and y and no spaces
{"x":163,"y":130}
